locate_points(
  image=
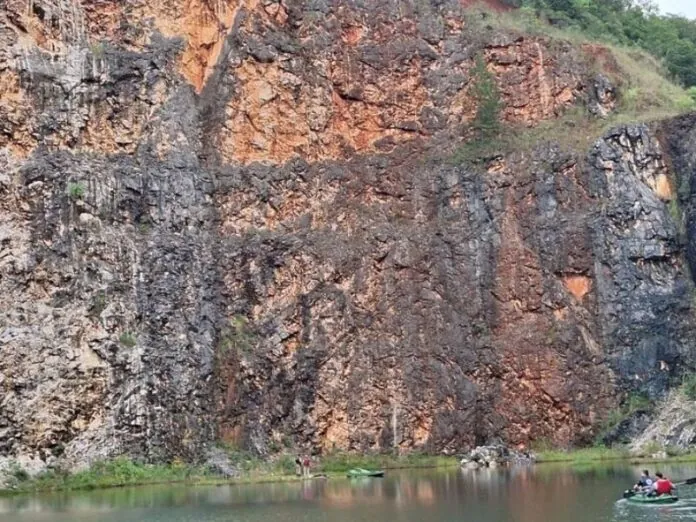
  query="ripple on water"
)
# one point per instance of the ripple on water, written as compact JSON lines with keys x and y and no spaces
{"x":685,"y":509}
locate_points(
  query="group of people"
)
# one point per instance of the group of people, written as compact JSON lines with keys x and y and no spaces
{"x":653,"y":487}
{"x":303,"y":466}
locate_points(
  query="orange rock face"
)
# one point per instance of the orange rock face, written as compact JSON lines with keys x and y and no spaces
{"x":342,"y":105}
{"x":532,"y":90}
{"x":242,"y":220}
{"x":284,"y":105}
{"x":278,"y":116}
{"x":15,"y":111}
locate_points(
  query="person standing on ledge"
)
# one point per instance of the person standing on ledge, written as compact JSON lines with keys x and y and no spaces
{"x":306,"y":465}
{"x":299,"y":471}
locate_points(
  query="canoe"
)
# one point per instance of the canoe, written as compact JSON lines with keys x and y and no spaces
{"x":360,"y":472}
{"x":643,"y":499}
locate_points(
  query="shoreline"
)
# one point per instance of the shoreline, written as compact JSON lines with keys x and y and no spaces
{"x":602,"y":454}
{"x":123,"y":473}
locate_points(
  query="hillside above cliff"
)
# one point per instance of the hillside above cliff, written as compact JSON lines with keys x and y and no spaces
{"x":331,"y":225}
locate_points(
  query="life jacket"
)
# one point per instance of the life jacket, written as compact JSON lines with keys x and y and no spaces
{"x":663,"y":487}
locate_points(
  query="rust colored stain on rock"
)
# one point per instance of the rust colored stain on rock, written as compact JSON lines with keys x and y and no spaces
{"x":277,"y":115}
{"x":579,"y":286}
{"x":531,"y":87}
{"x":15,"y":113}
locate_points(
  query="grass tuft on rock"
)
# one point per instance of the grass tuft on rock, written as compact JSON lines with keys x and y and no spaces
{"x":579,"y":456}
{"x":128,"y":339}
{"x":688,"y":387}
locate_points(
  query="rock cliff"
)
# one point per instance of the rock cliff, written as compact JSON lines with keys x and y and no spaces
{"x":240,"y":220}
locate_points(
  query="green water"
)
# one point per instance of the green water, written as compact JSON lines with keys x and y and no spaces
{"x":542,"y":494}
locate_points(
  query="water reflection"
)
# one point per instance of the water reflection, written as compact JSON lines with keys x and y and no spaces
{"x":543,"y":493}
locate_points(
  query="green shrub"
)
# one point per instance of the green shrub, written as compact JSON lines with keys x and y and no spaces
{"x":285,"y":464}
{"x":487,"y":95}
{"x":76,"y":190}
{"x":121,"y":471}
{"x":341,"y":462}
{"x":685,"y":103}
{"x":127,"y":339}
{"x":17,"y":473}
{"x":691,"y":91}
{"x":638,"y":402}
{"x":98,"y":304}
{"x":237,"y":336}
{"x":688,"y":387}
{"x":635,"y":403}
{"x":675,"y":451}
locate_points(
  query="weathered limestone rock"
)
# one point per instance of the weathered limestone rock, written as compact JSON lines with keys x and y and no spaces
{"x":674,"y":426}
{"x":496,"y":455}
{"x":237,"y":220}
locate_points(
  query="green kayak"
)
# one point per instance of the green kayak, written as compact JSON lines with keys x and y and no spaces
{"x":360,"y":472}
{"x":643,"y":499}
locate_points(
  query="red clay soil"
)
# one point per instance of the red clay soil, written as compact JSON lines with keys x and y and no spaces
{"x":497,"y":5}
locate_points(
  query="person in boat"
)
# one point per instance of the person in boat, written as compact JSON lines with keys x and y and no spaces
{"x":662,"y":486}
{"x":645,"y":483}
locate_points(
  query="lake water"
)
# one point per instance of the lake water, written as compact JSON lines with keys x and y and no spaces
{"x":545,"y":493}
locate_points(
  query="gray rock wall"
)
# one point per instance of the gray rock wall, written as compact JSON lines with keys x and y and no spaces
{"x":244,"y":223}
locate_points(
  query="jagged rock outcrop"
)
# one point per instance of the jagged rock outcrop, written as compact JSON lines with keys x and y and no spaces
{"x":672,"y":427}
{"x":237,"y":220}
{"x":496,"y":455}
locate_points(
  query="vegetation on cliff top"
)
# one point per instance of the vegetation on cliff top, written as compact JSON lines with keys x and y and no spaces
{"x":644,"y":91}
{"x":645,"y":88}
{"x":630,"y":23}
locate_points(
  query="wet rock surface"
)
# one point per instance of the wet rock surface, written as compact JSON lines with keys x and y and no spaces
{"x":240,"y":221}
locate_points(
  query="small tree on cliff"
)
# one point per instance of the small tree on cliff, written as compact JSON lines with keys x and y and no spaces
{"x":485,"y":90}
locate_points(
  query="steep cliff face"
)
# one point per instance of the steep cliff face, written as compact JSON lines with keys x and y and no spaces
{"x":237,"y":221}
